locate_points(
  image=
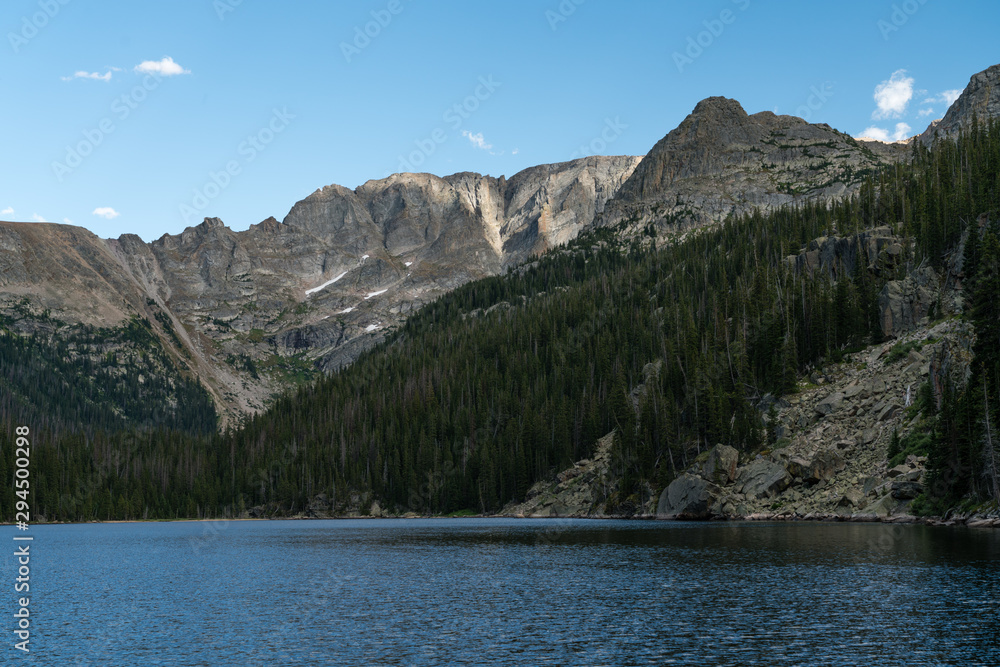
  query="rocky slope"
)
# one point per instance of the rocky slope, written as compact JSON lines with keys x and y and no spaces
{"x":830,"y":455}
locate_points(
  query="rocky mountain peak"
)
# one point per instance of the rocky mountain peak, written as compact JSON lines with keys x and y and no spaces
{"x":980,"y":99}
{"x":721,"y":161}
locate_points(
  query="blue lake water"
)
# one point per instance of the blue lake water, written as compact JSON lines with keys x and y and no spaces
{"x":508,"y":592}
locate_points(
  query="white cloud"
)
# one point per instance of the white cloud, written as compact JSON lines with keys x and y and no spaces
{"x":38,"y":218}
{"x":902,"y":132}
{"x":89,"y":75}
{"x":874,"y":133}
{"x":106,"y":212}
{"x":477,"y":140}
{"x":515,"y":151}
{"x":925,"y":112}
{"x":165,"y":67}
{"x":67,"y":221}
{"x":893,"y":95}
{"x":7,"y":211}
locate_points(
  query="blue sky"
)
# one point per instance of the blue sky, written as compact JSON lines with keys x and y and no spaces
{"x":145,"y":117}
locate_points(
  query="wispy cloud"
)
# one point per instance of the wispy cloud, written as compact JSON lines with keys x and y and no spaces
{"x":7,"y":211}
{"x":38,"y":218}
{"x":106,"y":212}
{"x":164,"y":67}
{"x":89,"y":75}
{"x":893,"y":95}
{"x":946,"y":96}
{"x":477,"y":140}
{"x":925,"y":112}
{"x":67,"y":221}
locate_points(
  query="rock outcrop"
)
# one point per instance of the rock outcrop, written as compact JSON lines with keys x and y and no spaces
{"x":687,"y":497}
{"x":905,"y":304}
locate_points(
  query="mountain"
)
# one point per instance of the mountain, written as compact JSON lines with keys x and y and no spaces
{"x":620,"y":361}
{"x":721,"y":161}
{"x":980,"y":99}
{"x":255,"y":312}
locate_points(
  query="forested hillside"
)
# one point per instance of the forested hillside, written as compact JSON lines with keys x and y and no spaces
{"x":508,"y":379}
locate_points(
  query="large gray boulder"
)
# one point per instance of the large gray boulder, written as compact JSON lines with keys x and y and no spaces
{"x":830,"y":404}
{"x":906,"y":490}
{"x":762,"y":479}
{"x":816,"y":466}
{"x":687,"y":497}
{"x":720,"y":466}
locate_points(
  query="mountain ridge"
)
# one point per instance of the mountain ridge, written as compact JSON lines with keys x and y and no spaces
{"x":282,"y":301}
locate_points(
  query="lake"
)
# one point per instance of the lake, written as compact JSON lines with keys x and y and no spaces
{"x":509,"y":592}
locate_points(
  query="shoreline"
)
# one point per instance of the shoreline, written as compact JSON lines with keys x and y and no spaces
{"x":902,"y":519}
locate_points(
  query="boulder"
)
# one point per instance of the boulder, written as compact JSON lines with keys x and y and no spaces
{"x":852,"y":498}
{"x":830,"y":404}
{"x":762,"y":479}
{"x":901,"y":469}
{"x":853,"y":390}
{"x":869,"y":484}
{"x":888,"y":412}
{"x":906,"y":490}
{"x":817,"y":466}
{"x":687,"y":497}
{"x":720,"y":466}
{"x":882,"y":507}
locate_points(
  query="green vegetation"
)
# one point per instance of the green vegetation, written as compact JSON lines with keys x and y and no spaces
{"x":900,"y":351}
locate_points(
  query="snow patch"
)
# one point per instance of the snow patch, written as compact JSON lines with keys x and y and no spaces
{"x":364,"y":257}
{"x":346,"y":310}
{"x":407,"y":263}
{"x":326,"y":284}
{"x":371,"y":327}
{"x":374,"y":294}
